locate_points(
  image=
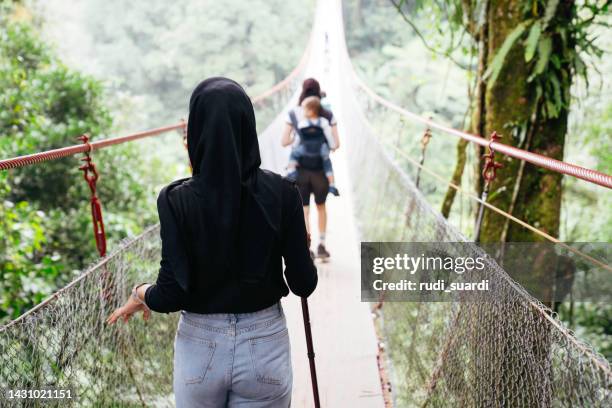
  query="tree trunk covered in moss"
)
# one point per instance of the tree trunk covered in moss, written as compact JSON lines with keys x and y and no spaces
{"x":510,"y":106}
{"x":449,"y":198}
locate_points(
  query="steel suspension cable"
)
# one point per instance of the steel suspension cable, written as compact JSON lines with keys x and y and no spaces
{"x":55,"y":154}
{"x":592,"y":176}
{"x":498,"y":210}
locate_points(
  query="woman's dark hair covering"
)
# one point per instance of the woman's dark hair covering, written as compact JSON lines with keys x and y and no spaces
{"x":310,"y":87}
{"x":228,"y":213}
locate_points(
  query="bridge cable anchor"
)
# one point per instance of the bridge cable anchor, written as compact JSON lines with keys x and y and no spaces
{"x":489,"y":173}
{"x":90,"y":173}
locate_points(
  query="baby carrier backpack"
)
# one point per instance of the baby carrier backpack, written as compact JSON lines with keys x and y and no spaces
{"x":312,"y":139}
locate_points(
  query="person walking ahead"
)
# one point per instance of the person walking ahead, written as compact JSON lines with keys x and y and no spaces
{"x":313,"y":152}
{"x":312,"y":182}
{"x":225,"y":232}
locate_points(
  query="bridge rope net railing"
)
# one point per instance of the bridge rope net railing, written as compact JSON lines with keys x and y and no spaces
{"x":498,"y":348}
{"x":589,"y":175}
{"x":443,"y":180}
{"x":405,"y":149}
{"x":64,"y":343}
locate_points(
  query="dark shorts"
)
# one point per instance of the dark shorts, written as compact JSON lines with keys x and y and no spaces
{"x":312,"y":182}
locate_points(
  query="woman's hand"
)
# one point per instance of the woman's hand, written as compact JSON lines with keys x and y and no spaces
{"x":130,"y":307}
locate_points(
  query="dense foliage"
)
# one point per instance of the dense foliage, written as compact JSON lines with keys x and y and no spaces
{"x":152,"y":54}
{"x":384,"y":52}
{"x":435,"y":35}
{"x":44,"y":217}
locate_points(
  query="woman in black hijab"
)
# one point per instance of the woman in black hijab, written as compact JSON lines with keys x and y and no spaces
{"x":225,"y":232}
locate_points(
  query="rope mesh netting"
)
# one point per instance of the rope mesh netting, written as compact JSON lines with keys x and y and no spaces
{"x":66,"y":343}
{"x":500,"y":348}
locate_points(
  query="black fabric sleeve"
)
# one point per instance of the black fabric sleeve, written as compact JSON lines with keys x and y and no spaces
{"x":300,"y":271}
{"x":166,"y":295}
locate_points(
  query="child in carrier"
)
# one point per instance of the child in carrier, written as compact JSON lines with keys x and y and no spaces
{"x":314,"y":144}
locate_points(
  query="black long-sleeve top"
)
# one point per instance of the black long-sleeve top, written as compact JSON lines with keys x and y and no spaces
{"x":226,"y":294}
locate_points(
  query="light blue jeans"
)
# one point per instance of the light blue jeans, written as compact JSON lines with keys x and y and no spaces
{"x":231,"y":360}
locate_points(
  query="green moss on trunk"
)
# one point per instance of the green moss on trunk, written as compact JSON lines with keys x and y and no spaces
{"x":507,"y":102}
{"x":510,"y":104}
{"x":456,"y":179}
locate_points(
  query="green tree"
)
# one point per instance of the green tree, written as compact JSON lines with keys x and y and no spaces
{"x":153,"y":54}
{"x":529,"y":54}
{"x":46,"y":224}
{"x":28,"y":272}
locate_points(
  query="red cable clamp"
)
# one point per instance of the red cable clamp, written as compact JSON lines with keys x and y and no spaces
{"x":90,"y":174}
{"x":489,"y":171}
{"x":426,"y":138}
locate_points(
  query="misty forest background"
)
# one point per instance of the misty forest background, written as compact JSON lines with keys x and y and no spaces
{"x":68,"y":68}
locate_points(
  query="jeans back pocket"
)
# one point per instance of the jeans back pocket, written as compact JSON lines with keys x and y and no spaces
{"x":271,"y":357}
{"x":192,"y":358}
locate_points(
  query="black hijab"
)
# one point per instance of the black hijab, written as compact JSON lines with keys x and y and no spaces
{"x":227,"y":215}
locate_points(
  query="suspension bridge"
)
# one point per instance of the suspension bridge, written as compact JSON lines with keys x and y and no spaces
{"x":507,"y":351}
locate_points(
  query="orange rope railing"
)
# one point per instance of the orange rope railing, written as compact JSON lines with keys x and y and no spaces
{"x":479,"y":200}
{"x":55,"y":154}
{"x":592,"y":176}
